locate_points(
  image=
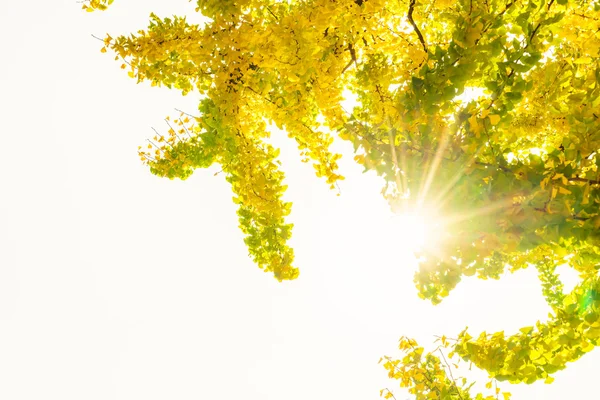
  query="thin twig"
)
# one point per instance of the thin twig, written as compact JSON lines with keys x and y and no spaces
{"x":147,"y":156}
{"x":391,"y":394}
{"x":447,"y":338}
{"x":183,"y":112}
{"x":163,"y":138}
{"x":170,"y":127}
{"x":154,"y":144}
{"x":186,"y":130}
{"x":396,"y":33}
{"x":450,"y":372}
{"x":271,"y":12}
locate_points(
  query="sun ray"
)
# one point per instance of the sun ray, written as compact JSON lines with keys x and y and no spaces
{"x":450,"y":185}
{"x":478,"y":212}
{"x":433,"y":168}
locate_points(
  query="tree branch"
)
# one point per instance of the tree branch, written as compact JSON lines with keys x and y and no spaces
{"x":411,"y":9}
{"x":352,"y":60}
{"x":450,"y":372}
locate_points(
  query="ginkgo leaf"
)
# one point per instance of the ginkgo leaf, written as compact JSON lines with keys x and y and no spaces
{"x":494,"y":119}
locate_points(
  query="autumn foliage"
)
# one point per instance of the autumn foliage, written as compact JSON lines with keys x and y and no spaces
{"x":484,"y":113}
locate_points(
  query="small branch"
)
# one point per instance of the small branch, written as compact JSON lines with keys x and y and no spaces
{"x":170,"y":127}
{"x":346,"y":67}
{"x":512,"y":69}
{"x":271,"y":12}
{"x":97,"y":38}
{"x":391,"y":394}
{"x":183,"y":112}
{"x":352,"y":60}
{"x":451,"y":376}
{"x":531,"y":36}
{"x":396,"y":33}
{"x":186,"y":130}
{"x":411,"y":8}
{"x":590,"y":181}
{"x":163,"y":138}
{"x":447,"y":338}
{"x":153,"y":144}
{"x":509,"y":5}
{"x":584,"y":16}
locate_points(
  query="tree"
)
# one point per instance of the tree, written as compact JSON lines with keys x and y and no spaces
{"x":482,"y":115}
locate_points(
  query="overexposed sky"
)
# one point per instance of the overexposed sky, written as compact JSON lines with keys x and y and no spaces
{"x":116,"y":284}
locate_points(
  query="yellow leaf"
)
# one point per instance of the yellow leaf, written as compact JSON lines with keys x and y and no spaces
{"x":473,"y":34}
{"x":586,"y":195}
{"x":563,"y":190}
{"x":583,"y":60}
{"x":526,"y":330}
{"x":474,"y":123}
{"x":494,"y":119}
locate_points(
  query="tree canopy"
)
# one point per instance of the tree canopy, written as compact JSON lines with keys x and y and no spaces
{"x":481,"y":114}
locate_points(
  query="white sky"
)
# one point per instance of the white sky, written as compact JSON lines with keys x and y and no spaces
{"x":115,"y":284}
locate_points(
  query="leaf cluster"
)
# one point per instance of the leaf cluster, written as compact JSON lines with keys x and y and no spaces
{"x":487,"y":111}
